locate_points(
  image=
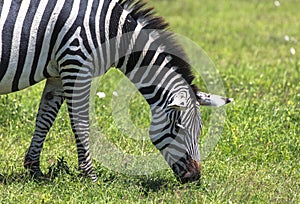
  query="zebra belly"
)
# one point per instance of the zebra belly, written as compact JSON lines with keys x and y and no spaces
{"x":25,"y":35}
{"x":7,"y":82}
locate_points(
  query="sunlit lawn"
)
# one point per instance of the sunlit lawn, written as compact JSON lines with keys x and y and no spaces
{"x":255,"y":47}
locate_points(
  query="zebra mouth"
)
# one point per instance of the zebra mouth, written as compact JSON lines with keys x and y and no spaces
{"x":191,"y":173}
{"x":190,"y":177}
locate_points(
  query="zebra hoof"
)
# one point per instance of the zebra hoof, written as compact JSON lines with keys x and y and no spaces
{"x":37,"y":175}
{"x":91,"y":176}
{"x":87,"y":170}
{"x":94,"y":177}
{"x":34,"y":169}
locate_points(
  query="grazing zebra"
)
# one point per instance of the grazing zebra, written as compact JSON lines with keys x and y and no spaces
{"x":68,"y":42}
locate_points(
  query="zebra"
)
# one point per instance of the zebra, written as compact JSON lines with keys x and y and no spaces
{"x":69,"y":42}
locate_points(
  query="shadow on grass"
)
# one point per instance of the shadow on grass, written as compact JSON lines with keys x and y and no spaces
{"x":19,"y":177}
{"x":26,"y":177}
{"x":156,"y":182}
{"x":150,"y":185}
{"x":58,"y":168}
{"x":160,"y":181}
{"x":165,"y":184}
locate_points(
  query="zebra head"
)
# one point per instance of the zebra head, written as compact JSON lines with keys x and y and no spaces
{"x":176,"y":127}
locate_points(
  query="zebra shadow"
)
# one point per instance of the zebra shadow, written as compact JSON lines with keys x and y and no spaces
{"x":160,"y":181}
{"x":18,"y":177}
{"x":147,"y":183}
{"x":60,"y":167}
{"x":157,"y":185}
{"x":164,"y":184}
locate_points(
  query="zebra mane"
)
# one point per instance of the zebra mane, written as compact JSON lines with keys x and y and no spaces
{"x":140,"y":13}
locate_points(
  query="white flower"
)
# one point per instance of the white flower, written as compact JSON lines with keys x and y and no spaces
{"x":101,"y":94}
{"x":277,"y":3}
{"x":286,"y":38}
{"x":293,"y":51}
{"x":115,"y":93}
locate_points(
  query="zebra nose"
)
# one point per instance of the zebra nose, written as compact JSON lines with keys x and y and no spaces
{"x":193,"y":173}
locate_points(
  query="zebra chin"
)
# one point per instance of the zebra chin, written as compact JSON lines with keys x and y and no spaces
{"x":191,"y":172}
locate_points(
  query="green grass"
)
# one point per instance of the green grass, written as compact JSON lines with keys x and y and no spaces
{"x":257,"y":158}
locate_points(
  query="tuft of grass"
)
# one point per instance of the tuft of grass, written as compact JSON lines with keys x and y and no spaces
{"x":257,"y":158}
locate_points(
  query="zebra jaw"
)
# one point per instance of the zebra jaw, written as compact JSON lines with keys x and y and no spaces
{"x":206,"y":99}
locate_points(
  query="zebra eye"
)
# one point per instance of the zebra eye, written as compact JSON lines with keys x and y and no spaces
{"x":177,"y":105}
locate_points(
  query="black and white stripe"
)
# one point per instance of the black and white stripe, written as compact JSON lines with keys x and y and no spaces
{"x":69,"y":42}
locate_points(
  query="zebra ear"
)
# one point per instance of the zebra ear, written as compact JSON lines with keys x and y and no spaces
{"x":206,"y":99}
{"x":178,"y":101}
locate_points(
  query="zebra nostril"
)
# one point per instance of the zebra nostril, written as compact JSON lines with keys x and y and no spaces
{"x":191,"y":176}
{"x":193,"y":173}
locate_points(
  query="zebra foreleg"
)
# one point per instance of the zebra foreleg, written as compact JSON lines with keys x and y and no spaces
{"x":50,"y":104}
{"x":77,"y":97}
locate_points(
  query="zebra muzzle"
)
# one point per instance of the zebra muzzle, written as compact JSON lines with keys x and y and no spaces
{"x":193,"y":173}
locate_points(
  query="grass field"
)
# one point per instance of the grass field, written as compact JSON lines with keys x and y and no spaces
{"x":255,"y":46}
